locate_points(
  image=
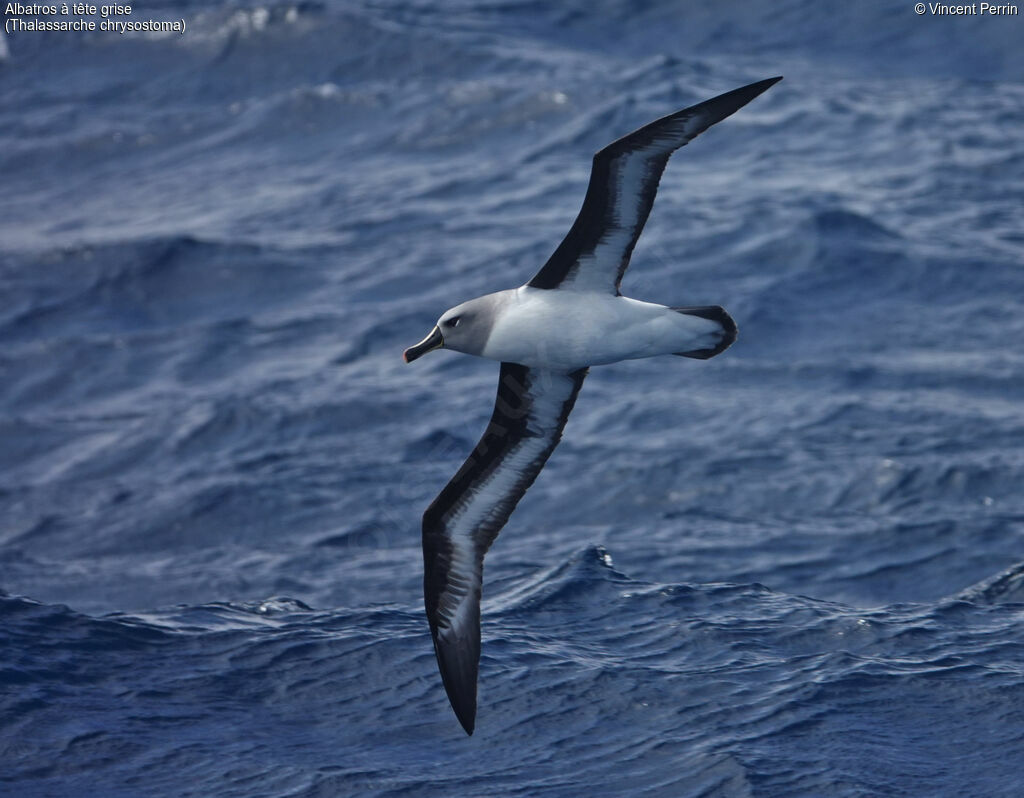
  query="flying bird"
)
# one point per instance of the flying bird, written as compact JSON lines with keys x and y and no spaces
{"x":546,"y":334}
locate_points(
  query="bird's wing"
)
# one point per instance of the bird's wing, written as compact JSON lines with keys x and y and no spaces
{"x":594,"y":255}
{"x":462,"y":522}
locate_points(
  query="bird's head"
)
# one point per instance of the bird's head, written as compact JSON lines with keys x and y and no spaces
{"x":463,"y":328}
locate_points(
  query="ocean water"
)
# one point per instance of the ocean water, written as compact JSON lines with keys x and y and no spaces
{"x":794,"y":570}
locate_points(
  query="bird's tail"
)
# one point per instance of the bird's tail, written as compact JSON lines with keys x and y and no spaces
{"x":718,"y":338}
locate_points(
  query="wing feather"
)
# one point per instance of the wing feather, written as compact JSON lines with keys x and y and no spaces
{"x":624,"y":179}
{"x":460,"y":525}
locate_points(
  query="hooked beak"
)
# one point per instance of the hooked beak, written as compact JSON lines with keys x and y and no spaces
{"x":432,"y":341}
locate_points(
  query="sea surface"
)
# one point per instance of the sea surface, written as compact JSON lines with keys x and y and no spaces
{"x":794,"y":570}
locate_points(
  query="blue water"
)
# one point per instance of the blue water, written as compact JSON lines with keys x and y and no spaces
{"x":796,"y":569}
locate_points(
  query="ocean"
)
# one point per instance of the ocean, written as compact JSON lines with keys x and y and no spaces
{"x":796,"y":569}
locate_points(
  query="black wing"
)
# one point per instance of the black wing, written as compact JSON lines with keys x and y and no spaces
{"x":462,"y":522}
{"x":623,"y":182}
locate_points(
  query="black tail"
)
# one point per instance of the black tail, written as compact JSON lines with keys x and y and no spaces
{"x":726,"y":334}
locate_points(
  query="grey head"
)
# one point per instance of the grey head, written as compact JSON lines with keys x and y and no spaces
{"x":463,"y":328}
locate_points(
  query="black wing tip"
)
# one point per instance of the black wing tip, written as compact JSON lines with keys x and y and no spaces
{"x":732,"y":101}
{"x":761,"y":85}
{"x":459,"y":662}
{"x":764,"y":85}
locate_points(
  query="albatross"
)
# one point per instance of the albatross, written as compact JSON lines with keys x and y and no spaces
{"x":546,"y":334}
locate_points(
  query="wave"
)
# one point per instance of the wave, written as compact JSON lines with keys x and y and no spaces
{"x":579,"y":643}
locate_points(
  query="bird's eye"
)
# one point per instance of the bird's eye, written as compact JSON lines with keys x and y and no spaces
{"x":454,"y":322}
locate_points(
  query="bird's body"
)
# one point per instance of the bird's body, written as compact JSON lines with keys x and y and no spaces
{"x":566,"y":330}
{"x":546,"y":334}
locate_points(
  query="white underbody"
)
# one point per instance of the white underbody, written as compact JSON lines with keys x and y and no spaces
{"x":566,"y":330}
